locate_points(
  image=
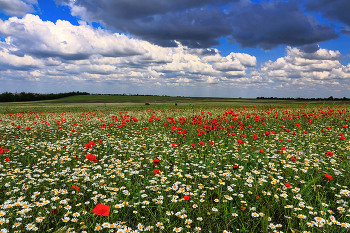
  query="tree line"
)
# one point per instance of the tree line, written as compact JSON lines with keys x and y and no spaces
{"x":20,"y":97}
{"x":299,"y":98}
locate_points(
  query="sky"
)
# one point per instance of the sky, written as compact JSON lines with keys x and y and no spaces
{"x":197,"y":48}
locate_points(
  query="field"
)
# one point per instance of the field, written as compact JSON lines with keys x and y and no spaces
{"x":204,"y":166}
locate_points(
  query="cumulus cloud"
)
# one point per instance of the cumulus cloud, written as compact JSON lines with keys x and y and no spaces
{"x":199,"y":24}
{"x":63,"y":51}
{"x":40,"y":38}
{"x":321,"y":67}
{"x":17,"y":7}
{"x":46,"y":53}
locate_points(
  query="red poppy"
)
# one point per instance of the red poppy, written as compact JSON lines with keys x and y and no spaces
{"x":239,"y":141}
{"x":255,"y":136}
{"x":261,"y":151}
{"x":7,"y":159}
{"x":267,"y":133}
{"x":175,"y":144}
{"x":54,"y":211}
{"x":87,"y":145}
{"x":342,"y":138}
{"x":1,"y":151}
{"x":328,"y":176}
{"x":100,"y":141}
{"x":211,"y":143}
{"x":257,"y":197}
{"x":91,"y":157}
{"x":287,"y":185}
{"x":75,"y":187}
{"x":292,"y":159}
{"x":101,"y":209}
{"x":329,"y":154}
{"x":187,"y":197}
{"x":201,"y":143}
{"x":243,"y":208}
{"x":156,"y":161}
{"x":235,"y":167}
{"x":193,"y":145}
{"x":156,"y":171}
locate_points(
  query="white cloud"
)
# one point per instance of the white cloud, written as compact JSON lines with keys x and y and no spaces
{"x":320,"y":67}
{"x":50,"y":52}
{"x":17,"y":7}
{"x":16,"y":62}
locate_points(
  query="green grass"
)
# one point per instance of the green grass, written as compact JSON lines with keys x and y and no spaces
{"x":48,"y":155}
{"x":104,"y":102}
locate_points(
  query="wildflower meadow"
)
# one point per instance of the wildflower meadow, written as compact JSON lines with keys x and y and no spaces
{"x":178,"y":169}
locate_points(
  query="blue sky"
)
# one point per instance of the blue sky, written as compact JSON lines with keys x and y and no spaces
{"x":219,"y":48}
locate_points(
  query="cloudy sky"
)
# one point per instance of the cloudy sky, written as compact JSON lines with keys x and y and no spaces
{"x":221,"y":48}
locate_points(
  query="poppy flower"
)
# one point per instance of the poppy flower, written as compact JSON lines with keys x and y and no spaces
{"x":193,"y":145}
{"x":7,"y":159}
{"x":54,"y":211}
{"x":87,"y":145}
{"x":100,"y":141}
{"x":201,"y":143}
{"x":255,"y":136}
{"x":243,"y":208}
{"x":156,"y":171}
{"x":261,"y":151}
{"x":101,"y":209}
{"x":186,"y":197}
{"x":75,"y":187}
{"x":267,"y":133}
{"x":235,"y":167}
{"x":91,"y":157}
{"x":292,"y":159}
{"x":239,"y":141}
{"x":342,"y":138}
{"x":329,"y":154}
{"x":287,"y":185}
{"x":156,"y":161}
{"x":257,"y":197}
{"x":328,"y":176}
{"x":175,"y":145}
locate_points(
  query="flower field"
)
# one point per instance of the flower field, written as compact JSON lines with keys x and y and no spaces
{"x":214,"y":169}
